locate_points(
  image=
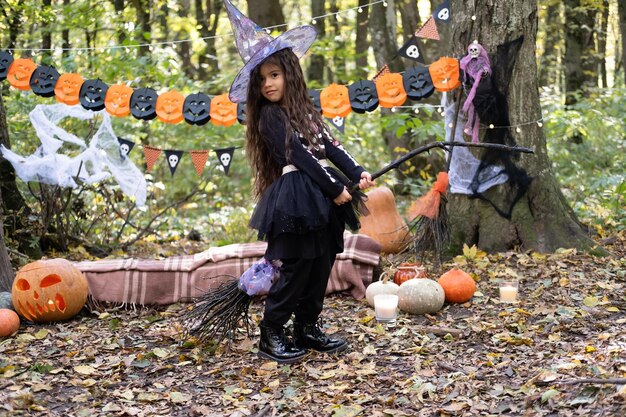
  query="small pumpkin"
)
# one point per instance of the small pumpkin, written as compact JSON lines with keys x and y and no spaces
{"x":383,"y":223}
{"x":384,"y":286}
{"x":67,"y":89}
{"x":458,"y":286}
{"x":407,"y":271}
{"x":49,"y":290}
{"x":335,"y":101}
{"x":421,"y":296}
{"x":445,"y":74}
{"x":9,"y":322}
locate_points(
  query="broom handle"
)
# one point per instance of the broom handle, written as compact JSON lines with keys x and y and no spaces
{"x":444,"y":146}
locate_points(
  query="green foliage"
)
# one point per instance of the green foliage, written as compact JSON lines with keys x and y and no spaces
{"x":587,"y":148}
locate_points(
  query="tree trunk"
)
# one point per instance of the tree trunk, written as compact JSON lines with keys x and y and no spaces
{"x":143,"y":34}
{"x":553,"y":35}
{"x":46,"y":36}
{"x":602,"y":34}
{"x":579,"y":57}
{"x":65,"y":36}
{"x":621,"y":9}
{"x":317,"y":62}
{"x":6,"y":270}
{"x":266,"y":13}
{"x":541,"y":220}
{"x":184,"y":48}
{"x":361,"y":44}
{"x":207,"y":18}
{"x":118,"y":5}
{"x":339,"y":59}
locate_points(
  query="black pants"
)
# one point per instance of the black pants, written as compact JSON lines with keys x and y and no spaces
{"x":300,"y":290}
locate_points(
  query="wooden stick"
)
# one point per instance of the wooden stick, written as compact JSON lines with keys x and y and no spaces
{"x":441,"y":331}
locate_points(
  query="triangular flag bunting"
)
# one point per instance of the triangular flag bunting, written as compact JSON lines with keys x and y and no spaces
{"x":225,"y":156}
{"x":338,"y":122}
{"x":442,"y":12}
{"x":428,"y":30}
{"x":125,"y":147}
{"x":173,"y":159}
{"x":381,"y":72}
{"x":411,"y":50}
{"x":151,"y":154}
{"x":199,"y":159}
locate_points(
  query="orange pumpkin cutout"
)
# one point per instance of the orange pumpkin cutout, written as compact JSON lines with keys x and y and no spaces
{"x":20,"y":72}
{"x":445,"y":74}
{"x":390,"y":89}
{"x":67,"y":89}
{"x":169,"y":107}
{"x":335,"y":101}
{"x":223,"y":111}
{"x":117,"y":100}
{"x":49,"y":290}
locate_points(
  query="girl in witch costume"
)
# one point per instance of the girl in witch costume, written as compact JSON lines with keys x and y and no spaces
{"x":303,"y":203}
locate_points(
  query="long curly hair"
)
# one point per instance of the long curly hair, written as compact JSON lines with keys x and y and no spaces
{"x":297,"y":111}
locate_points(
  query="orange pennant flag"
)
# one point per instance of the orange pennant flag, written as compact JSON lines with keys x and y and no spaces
{"x":199,"y":159}
{"x":428,"y":30}
{"x":151,"y":154}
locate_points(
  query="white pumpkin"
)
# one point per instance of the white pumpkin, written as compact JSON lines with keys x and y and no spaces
{"x":421,"y":296}
{"x":380,"y":287}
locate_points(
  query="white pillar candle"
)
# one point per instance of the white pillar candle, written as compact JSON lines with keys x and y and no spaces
{"x":386,"y":306}
{"x":508,"y":293}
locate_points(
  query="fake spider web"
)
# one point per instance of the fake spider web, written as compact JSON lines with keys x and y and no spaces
{"x":94,"y":162}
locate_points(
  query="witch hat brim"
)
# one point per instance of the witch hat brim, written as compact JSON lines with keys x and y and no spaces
{"x":254,"y":45}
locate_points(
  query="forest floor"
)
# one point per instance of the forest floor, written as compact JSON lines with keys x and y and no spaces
{"x":560,"y":351}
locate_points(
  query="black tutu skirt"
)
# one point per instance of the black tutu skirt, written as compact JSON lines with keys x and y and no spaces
{"x":299,"y":221}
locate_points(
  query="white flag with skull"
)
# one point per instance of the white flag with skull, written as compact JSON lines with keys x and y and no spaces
{"x":125,"y":147}
{"x":173,"y":159}
{"x":411,"y":50}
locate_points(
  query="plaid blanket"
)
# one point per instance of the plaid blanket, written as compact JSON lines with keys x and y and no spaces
{"x":179,"y":278}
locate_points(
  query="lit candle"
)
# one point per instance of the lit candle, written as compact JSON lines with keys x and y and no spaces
{"x":386,"y":307}
{"x":508,"y":292}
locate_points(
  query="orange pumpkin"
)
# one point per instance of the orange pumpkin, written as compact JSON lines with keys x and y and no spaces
{"x":445,"y":74}
{"x":49,"y":290}
{"x":20,"y":72}
{"x":169,"y":107}
{"x":223,"y":111}
{"x":458,"y":286}
{"x":9,"y":322}
{"x":117,"y":100}
{"x":383,"y":223}
{"x":67,"y":89}
{"x":335,"y":101}
{"x":407,"y":271}
{"x":390,"y":90}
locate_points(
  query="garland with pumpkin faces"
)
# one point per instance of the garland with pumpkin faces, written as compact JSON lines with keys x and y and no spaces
{"x":388,"y":90}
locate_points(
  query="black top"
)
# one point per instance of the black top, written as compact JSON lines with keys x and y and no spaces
{"x":296,"y":214}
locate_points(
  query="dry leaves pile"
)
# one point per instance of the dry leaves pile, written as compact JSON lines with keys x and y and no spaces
{"x":561,"y":351}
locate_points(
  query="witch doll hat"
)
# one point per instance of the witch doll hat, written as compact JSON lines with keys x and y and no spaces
{"x":254,"y":45}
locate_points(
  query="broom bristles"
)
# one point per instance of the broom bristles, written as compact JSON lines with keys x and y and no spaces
{"x":218,"y":314}
{"x":431,"y":235}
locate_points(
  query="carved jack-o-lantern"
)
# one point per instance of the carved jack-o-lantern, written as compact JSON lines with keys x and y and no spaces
{"x":43,"y":80}
{"x":390,"y":90}
{"x":197,"y":109}
{"x":143,"y":103}
{"x":169,"y":107}
{"x":68,"y":87}
{"x":117,"y":100}
{"x":445,"y":74}
{"x":363,"y":96}
{"x":6,"y":59}
{"x":49,"y":290}
{"x":417,"y":83}
{"x":20,"y":72}
{"x":92,"y":94}
{"x":335,"y":101}
{"x":223,"y":111}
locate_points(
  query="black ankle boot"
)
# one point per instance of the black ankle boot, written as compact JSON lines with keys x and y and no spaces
{"x":274,"y":345}
{"x":309,"y":335}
